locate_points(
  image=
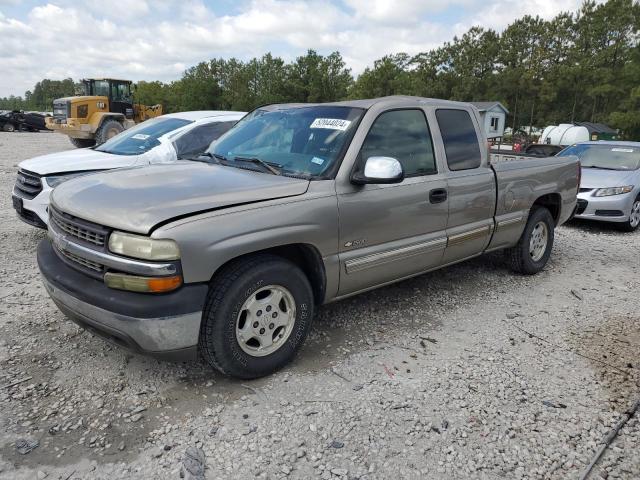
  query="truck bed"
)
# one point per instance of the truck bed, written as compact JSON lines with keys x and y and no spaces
{"x":520,"y":184}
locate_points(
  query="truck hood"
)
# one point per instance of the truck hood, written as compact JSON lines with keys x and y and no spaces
{"x":137,"y":199}
{"x":598,"y":178}
{"x":83,"y":159}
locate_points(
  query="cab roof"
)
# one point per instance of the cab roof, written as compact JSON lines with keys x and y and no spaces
{"x":200,"y":114}
{"x":389,"y":101}
{"x":107,"y":79}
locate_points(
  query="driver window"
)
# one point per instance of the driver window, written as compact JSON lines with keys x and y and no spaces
{"x":119,"y":92}
{"x":403,"y":135}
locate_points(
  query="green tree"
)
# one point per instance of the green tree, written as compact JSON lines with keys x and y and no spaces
{"x":389,"y":76}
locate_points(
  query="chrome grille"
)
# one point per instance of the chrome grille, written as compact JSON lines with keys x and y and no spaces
{"x":28,"y":185}
{"x":77,"y":230}
{"x":82,"y":261}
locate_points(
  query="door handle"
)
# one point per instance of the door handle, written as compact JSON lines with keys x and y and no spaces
{"x":437,"y":195}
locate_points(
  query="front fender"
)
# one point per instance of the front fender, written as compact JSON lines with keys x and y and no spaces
{"x":98,"y":118}
{"x":210,"y":240}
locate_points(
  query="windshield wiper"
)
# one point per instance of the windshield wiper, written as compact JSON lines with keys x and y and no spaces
{"x":219,"y":156}
{"x":599,"y":168}
{"x":271,"y":167}
{"x":209,"y":158}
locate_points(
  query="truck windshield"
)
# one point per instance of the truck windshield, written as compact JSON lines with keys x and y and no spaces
{"x":606,"y":156}
{"x":141,"y":138}
{"x":297,"y":140}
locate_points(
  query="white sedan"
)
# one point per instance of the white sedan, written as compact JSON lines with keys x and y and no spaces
{"x":159,"y":140}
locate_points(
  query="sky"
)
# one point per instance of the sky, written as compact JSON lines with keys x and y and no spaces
{"x":159,"y":39}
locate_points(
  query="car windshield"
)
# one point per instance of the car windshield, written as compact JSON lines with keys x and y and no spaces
{"x":304,"y":141}
{"x":141,"y":138}
{"x":607,"y":156}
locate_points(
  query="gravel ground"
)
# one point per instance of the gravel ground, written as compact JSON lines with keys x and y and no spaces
{"x":469,"y":372}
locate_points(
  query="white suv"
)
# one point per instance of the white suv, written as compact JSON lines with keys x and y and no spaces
{"x":159,"y":140}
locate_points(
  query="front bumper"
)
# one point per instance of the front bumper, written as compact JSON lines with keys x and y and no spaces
{"x":35,"y":211}
{"x":71,"y":127}
{"x":165,"y":325}
{"x":615,"y":208}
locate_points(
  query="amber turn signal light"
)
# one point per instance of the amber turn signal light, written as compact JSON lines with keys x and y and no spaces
{"x":122,"y":281}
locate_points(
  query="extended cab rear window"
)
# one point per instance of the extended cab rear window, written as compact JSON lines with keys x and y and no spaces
{"x":460,"y":140}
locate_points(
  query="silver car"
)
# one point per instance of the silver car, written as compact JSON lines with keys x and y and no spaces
{"x":610,"y":184}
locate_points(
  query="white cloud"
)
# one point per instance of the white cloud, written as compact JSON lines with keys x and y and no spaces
{"x":498,"y":14}
{"x":399,"y":11}
{"x":147,"y":40}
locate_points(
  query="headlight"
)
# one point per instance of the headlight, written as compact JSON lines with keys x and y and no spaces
{"x":606,"y":192}
{"x":58,"y":179}
{"x":138,"y":246}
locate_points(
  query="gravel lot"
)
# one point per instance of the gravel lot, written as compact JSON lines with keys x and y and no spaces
{"x":469,"y":372}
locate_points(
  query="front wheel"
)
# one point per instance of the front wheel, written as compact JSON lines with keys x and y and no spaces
{"x":632,"y":224}
{"x":257,"y":316}
{"x":109,"y":129}
{"x":82,"y":142}
{"x":533,"y":250}
{"x":8,"y":127}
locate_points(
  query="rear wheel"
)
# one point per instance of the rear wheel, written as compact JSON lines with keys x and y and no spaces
{"x":83,"y":142}
{"x":257,"y":316}
{"x":533,"y":250}
{"x":108,"y":129}
{"x":632,"y":224}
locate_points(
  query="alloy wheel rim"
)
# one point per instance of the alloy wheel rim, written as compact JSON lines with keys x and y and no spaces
{"x":634,"y":218}
{"x":265,"y":320}
{"x":538,"y":241}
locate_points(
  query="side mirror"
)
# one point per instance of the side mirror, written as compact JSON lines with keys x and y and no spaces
{"x":379,"y":170}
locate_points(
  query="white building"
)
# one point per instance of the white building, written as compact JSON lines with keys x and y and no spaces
{"x":494,"y":117}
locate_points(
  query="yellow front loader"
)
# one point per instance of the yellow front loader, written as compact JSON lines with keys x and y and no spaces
{"x":105,"y":109}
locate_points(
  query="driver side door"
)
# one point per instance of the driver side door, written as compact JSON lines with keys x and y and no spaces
{"x":392,"y":231}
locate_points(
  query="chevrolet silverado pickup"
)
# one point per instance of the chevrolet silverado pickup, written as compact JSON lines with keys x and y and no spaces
{"x":297,"y":205}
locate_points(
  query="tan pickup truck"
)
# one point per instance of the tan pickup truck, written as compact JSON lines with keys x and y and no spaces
{"x":227,"y":255}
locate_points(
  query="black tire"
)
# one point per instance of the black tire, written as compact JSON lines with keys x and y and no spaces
{"x":519,"y":257}
{"x":108,"y":129}
{"x":82,"y":142}
{"x":629,"y":226}
{"x":218,"y":344}
{"x":8,"y":127}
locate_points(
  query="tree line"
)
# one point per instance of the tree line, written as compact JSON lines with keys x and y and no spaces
{"x":578,"y":66}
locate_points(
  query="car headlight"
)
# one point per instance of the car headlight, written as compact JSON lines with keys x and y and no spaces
{"x":606,"y":192}
{"x":58,"y":179}
{"x":147,"y":248}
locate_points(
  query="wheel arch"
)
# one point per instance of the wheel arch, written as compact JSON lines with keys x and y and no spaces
{"x":552,"y":202}
{"x":306,"y":256}
{"x":98,"y":119}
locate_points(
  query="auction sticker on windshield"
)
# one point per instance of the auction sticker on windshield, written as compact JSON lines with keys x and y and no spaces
{"x":140,"y":136}
{"x":625,"y":150}
{"x":331,"y":123}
